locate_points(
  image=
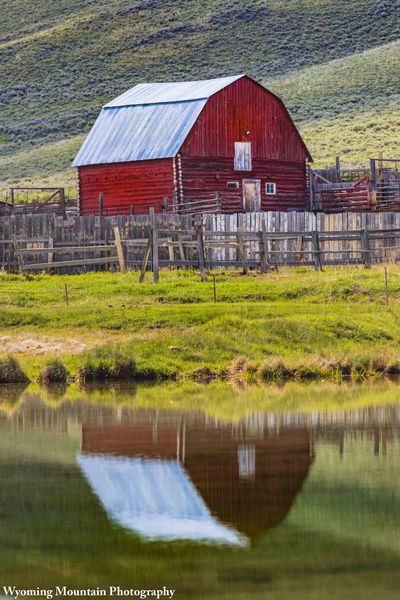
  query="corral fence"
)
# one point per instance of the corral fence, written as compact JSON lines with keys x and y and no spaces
{"x":206,"y":202}
{"x":374,"y":189}
{"x":47,"y":243}
{"x":39,"y":200}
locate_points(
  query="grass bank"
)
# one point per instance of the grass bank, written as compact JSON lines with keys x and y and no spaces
{"x":294,"y":324}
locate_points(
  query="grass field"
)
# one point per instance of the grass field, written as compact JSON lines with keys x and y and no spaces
{"x":292,"y":324}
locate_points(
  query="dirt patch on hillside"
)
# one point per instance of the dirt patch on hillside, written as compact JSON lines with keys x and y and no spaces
{"x":32,"y":344}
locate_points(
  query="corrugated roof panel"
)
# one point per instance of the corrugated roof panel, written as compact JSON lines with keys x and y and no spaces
{"x":156,"y":93}
{"x":138,"y":132}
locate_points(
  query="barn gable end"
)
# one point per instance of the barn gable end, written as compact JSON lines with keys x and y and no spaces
{"x":244,"y":111}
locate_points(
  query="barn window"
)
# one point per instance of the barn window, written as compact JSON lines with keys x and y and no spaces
{"x":247,"y":460}
{"x":232,"y":185}
{"x":242,"y":156}
{"x":270,"y":189}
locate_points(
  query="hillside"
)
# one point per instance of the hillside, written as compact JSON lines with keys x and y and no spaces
{"x":335,"y":63}
{"x":348,"y":107}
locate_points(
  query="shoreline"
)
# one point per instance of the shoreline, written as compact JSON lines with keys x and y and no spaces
{"x":118,"y":369}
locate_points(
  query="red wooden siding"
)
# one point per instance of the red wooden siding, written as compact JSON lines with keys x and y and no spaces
{"x":244,"y":106}
{"x":200,"y":175}
{"x":139,"y":184}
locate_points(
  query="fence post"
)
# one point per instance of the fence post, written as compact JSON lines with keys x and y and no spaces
{"x":181,"y":249}
{"x":264,"y":252}
{"x":50,"y":256}
{"x":120,"y":250}
{"x":18,"y":254}
{"x":263,"y":266}
{"x":311,"y":188}
{"x":63,"y":208}
{"x":373,"y":181}
{"x":316,"y":251}
{"x":241,"y":252}
{"x":154,"y":240}
{"x":174,"y":201}
{"x":200,"y":247}
{"x":338,"y":169}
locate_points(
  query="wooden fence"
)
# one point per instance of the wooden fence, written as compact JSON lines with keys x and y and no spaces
{"x":375,"y":189}
{"x":38,"y":200}
{"x":148,"y":242}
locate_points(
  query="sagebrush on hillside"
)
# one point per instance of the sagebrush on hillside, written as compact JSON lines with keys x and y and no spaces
{"x":59,"y":67}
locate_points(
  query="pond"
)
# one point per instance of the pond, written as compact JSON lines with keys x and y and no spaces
{"x":211,"y":491}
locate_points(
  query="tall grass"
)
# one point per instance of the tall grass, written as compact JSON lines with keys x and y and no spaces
{"x":107,"y":363}
{"x":54,"y":372}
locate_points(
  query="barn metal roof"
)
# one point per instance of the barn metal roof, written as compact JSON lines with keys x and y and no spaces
{"x":151,"y":120}
{"x":181,"y":91}
{"x":138,"y":132}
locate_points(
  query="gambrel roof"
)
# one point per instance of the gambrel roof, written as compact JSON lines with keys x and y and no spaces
{"x":151,"y":120}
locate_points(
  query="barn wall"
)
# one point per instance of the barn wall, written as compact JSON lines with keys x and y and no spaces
{"x":200,"y":176}
{"x":141,"y":184}
{"x":243,"y":107}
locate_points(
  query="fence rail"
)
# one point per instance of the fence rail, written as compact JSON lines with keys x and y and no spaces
{"x":149,"y":242}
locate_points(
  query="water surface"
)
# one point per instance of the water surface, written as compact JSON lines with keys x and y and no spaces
{"x":274,"y":503}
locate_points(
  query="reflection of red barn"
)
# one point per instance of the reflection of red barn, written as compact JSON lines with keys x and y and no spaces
{"x":247,"y":482}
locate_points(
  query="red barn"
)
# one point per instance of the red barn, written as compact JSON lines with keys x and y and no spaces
{"x":227,"y":141}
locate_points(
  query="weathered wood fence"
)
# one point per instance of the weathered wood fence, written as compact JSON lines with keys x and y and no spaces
{"x":148,"y":242}
{"x":375,"y":189}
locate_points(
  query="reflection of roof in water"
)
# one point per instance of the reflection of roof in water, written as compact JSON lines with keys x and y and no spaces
{"x":154,"y":498}
{"x":247,"y":481}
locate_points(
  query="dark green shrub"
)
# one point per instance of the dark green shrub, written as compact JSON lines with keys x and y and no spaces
{"x":11,"y":372}
{"x":54,"y":372}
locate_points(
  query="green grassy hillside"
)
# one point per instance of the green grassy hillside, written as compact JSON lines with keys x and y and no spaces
{"x":335,"y":63}
{"x":348,"y":107}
